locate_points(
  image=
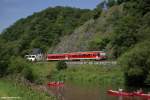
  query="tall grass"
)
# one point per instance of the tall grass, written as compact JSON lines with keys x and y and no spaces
{"x":90,"y":74}
{"x":12,"y":89}
{"x":41,"y":70}
{"x":82,"y":74}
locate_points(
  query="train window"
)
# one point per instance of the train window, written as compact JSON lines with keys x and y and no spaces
{"x":103,"y":54}
{"x":84,"y":55}
{"x":32,"y":56}
{"x":94,"y":54}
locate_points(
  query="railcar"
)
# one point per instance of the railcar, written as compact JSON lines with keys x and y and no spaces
{"x":97,"y":55}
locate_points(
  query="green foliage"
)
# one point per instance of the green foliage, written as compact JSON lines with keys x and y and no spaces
{"x":61,"y":65}
{"x":125,"y":23}
{"x":19,"y":65}
{"x":13,"y":89}
{"x":98,"y":10}
{"x":3,"y":68}
{"x":28,"y":74}
{"x":131,"y":28}
{"x":111,"y":3}
{"x":43,"y":29}
{"x":42,"y":71}
{"x":40,"y":30}
{"x":90,"y":74}
{"x":136,"y":64}
{"x":137,"y":7}
{"x":125,"y":35}
{"x":98,"y":44}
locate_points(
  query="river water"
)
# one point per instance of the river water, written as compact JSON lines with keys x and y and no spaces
{"x":77,"y":92}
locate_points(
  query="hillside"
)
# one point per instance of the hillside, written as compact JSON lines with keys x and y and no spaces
{"x":88,"y":36}
{"x":122,"y":30}
{"x":43,"y":29}
{"x":117,"y":30}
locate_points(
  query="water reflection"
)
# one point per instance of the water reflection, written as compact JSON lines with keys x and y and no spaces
{"x":75,"y":92}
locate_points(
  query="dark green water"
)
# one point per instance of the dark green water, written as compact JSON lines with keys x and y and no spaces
{"x":79,"y":92}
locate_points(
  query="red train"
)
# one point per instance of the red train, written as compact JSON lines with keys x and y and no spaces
{"x":96,"y":55}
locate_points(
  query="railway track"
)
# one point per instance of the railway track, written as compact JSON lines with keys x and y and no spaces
{"x":92,"y":62}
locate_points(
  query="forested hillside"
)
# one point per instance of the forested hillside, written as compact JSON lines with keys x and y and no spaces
{"x":116,"y":30}
{"x":43,"y":29}
{"x":121,"y":28}
{"x":123,"y":31}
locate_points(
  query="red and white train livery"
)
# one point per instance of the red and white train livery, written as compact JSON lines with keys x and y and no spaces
{"x":97,"y":55}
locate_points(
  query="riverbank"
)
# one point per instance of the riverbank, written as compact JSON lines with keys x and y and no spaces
{"x":79,"y":74}
{"x":11,"y":89}
{"x":90,"y":74}
{"x":84,"y":75}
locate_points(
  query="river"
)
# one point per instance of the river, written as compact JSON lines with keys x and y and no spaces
{"x":80,"y":92}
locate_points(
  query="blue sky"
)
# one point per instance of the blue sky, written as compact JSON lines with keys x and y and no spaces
{"x":12,"y":10}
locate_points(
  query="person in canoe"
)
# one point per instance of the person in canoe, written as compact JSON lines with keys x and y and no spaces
{"x":120,"y":90}
{"x":140,"y":91}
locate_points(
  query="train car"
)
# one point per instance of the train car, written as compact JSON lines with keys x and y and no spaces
{"x":97,"y":55}
{"x":57,"y":57}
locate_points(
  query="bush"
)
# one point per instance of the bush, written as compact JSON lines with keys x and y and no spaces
{"x":21,"y":66}
{"x":17,"y":64}
{"x":61,"y":65}
{"x":99,"y":44}
{"x":3,"y":68}
{"x":125,"y":35}
{"x":27,"y":74}
{"x":136,"y":64}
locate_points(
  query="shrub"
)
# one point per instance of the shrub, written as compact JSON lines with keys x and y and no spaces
{"x":136,"y":64}
{"x":3,"y":68}
{"x":61,"y":65}
{"x":27,"y":74}
{"x":21,"y":66}
{"x":17,"y":64}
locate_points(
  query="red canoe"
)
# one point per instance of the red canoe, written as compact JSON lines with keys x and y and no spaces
{"x":142,"y":95}
{"x":117,"y":93}
{"x":58,"y":84}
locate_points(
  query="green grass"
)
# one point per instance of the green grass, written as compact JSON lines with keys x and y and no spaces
{"x":80,"y":74}
{"x":90,"y":74}
{"x":12,"y":89}
{"x":41,"y":70}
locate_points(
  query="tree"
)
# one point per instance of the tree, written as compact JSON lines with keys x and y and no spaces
{"x":98,"y":10}
{"x":125,"y":34}
{"x":136,"y":64}
{"x":111,"y":3}
{"x":3,"y":68}
{"x":61,"y":65}
{"x":28,"y":74}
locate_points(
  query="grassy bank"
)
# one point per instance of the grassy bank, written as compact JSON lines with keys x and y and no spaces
{"x":90,"y":74}
{"x":12,"y":89}
{"x":80,"y":74}
{"x":77,"y":74}
{"x":41,"y":70}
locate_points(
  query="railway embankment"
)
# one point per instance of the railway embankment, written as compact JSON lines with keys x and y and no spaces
{"x":89,"y":74}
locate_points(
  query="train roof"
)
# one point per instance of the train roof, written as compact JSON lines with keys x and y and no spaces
{"x":77,"y":52}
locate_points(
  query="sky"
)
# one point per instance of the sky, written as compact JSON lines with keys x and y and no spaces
{"x":12,"y":10}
